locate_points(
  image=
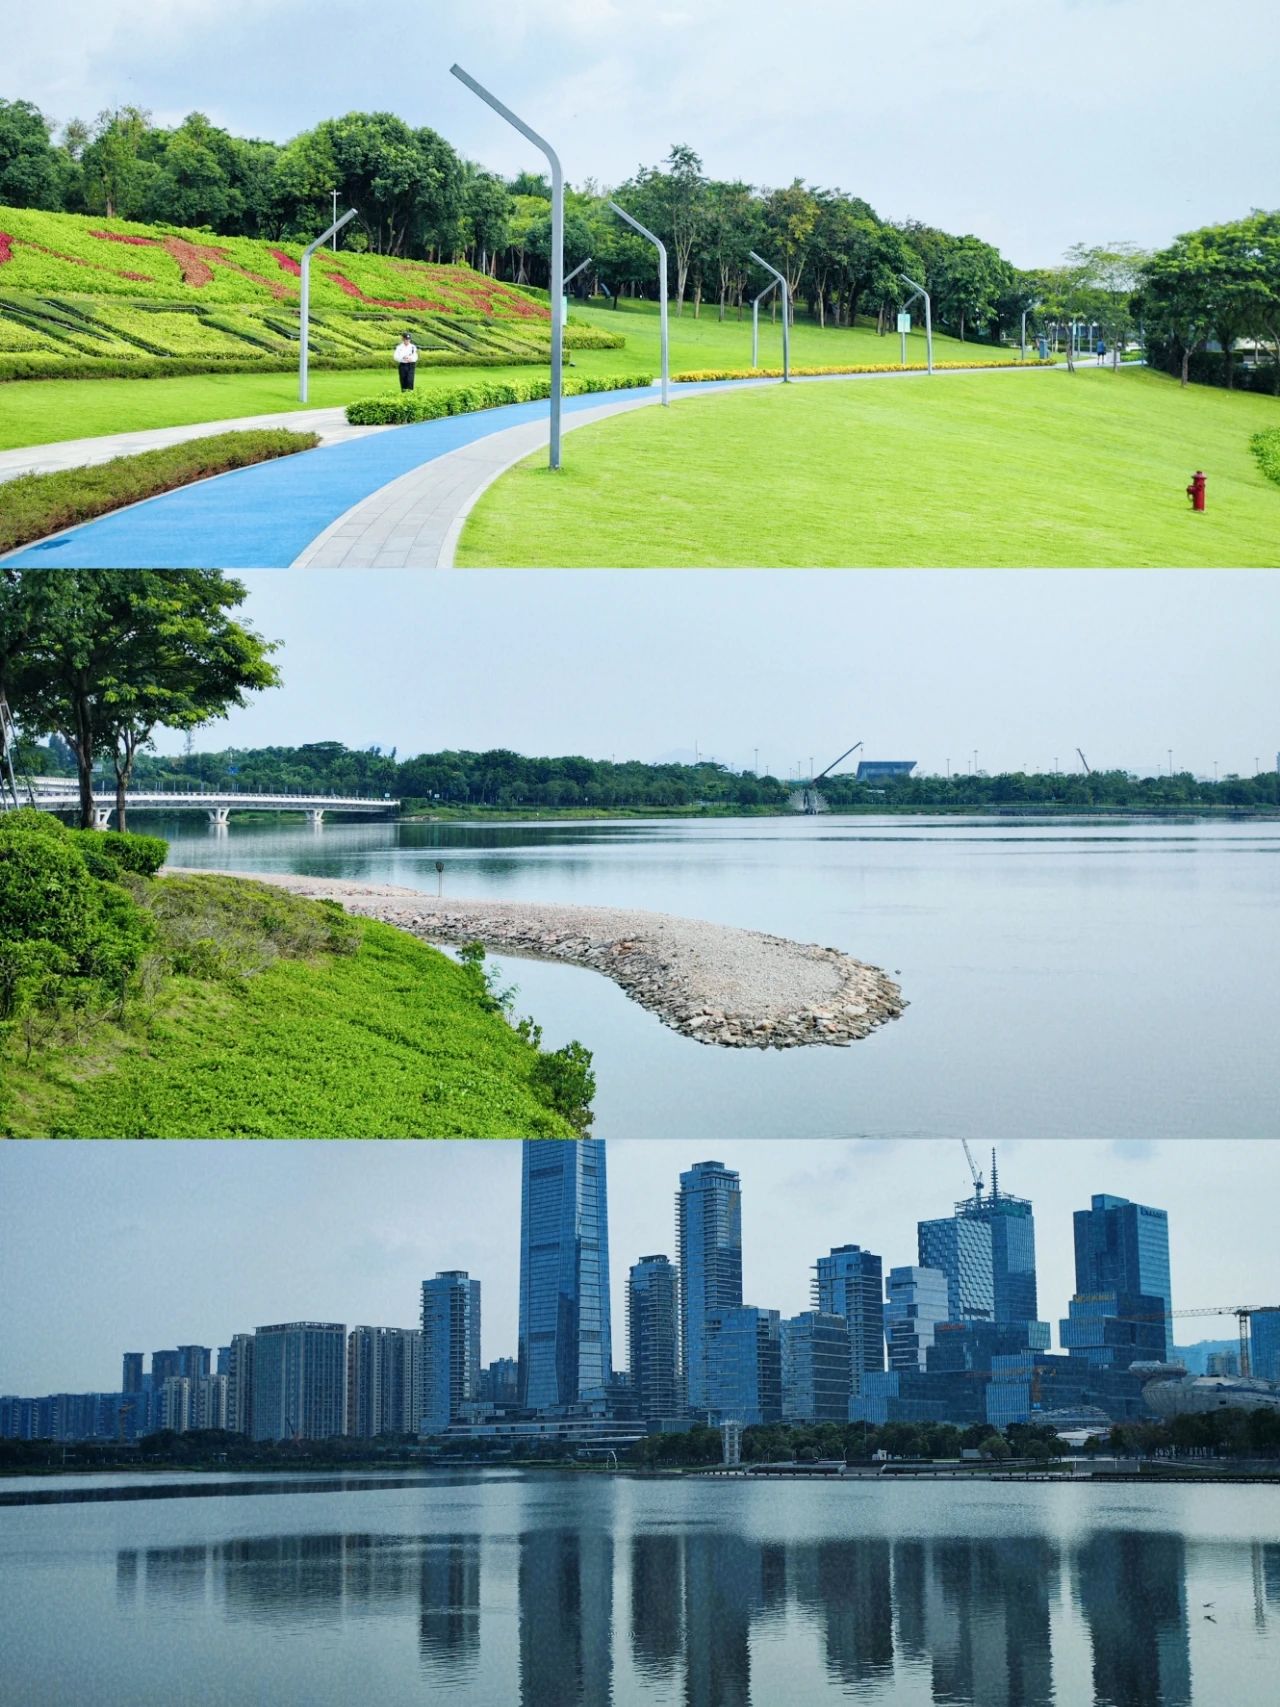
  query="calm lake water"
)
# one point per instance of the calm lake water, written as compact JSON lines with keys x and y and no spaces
{"x":1067,"y":978}
{"x":491,"y":1588}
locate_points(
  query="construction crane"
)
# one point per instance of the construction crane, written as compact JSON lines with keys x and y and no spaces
{"x":1242,"y":1314}
{"x":973,"y":1169}
{"x":811,"y":788}
{"x":1085,"y":763}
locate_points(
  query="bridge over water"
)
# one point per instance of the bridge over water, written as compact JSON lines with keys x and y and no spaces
{"x":60,"y":794}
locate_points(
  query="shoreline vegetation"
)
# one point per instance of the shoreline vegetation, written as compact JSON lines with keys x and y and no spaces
{"x":135,"y":1005}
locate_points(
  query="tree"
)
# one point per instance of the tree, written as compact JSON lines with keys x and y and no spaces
{"x":104,"y":657}
{"x":790,"y":216}
{"x":28,"y":163}
{"x":116,"y":173}
{"x":970,"y":282}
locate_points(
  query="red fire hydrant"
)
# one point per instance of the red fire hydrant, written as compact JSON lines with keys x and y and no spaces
{"x":1196,"y":490}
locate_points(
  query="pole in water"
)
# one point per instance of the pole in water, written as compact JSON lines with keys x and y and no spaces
{"x":439,"y":878}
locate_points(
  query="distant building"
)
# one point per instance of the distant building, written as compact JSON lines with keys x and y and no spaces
{"x":916,"y":1302}
{"x":499,"y":1383}
{"x":848,"y":1282}
{"x":299,"y":1381}
{"x":1222,"y":1363}
{"x":960,"y":1246}
{"x":743,"y":1365}
{"x":653,"y":1338}
{"x":1264,"y":1343}
{"x":1123,"y":1247}
{"x":131,"y":1375}
{"x":1115,"y":1328}
{"x":817,"y":1371}
{"x":450,"y":1349}
{"x":566,"y":1346}
{"x":240,"y":1384}
{"x":873,"y":770}
{"x":709,"y":1241}
{"x":384,"y":1381}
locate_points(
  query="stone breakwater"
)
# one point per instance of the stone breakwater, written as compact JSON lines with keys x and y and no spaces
{"x":721,"y":985}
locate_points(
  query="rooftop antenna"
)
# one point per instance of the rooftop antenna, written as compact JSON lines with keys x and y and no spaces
{"x":995,"y":1177}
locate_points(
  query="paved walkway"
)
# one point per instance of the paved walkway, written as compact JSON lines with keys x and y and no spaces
{"x":329,"y":424}
{"x":382,"y":497}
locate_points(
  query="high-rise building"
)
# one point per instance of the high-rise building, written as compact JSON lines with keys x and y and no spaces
{"x":1264,"y":1343}
{"x":222,"y":1362}
{"x":500,"y":1382}
{"x":175,"y":1404}
{"x":131,"y":1376}
{"x":849,"y":1282}
{"x":653,"y":1338}
{"x":961,"y":1248}
{"x":299,"y":1381}
{"x":566,"y":1346}
{"x":817,"y":1369}
{"x":384,"y":1381}
{"x":1013,"y":1250}
{"x":916,"y":1304}
{"x":240,"y":1384}
{"x":744,"y":1365}
{"x":450,"y":1349}
{"x":194,"y":1361}
{"x":1122,"y":1248}
{"x":709,"y":1250}
{"x":163,"y":1365}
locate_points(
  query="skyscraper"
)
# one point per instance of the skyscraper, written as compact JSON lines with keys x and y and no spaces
{"x":961,"y":1247}
{"x":384,"y":1381}
{"x":565,"y":1346}
{"x":916,"y":1303}
{"x":743,"y":1365}
{"x":653,"y":1337}
{"x":131,"y":1375}
{"x":450,"y":1349}
{"x":1264,"y":1343}
{"x":299,"y":1381}
{"x":240,"y":1384}
{"x":709,"y":1244}
{"x":1122,"y":1265}
{"x":817,"y":1373}
{"x":848,"y":1282}
{"x":1013,"y":1251}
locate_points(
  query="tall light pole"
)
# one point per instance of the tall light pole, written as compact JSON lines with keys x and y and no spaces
{"x":662,"y":291}
{"x":557,"y":248}
{"x":928,"y":313}
{"x":755,"y":322}
{"x":304,"y":340}
{"x":785,"y":293}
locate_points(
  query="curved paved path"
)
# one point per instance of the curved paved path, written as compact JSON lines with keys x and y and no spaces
{"x":389,"y":498}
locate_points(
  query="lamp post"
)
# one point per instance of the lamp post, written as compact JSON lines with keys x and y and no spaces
{"x":755,"y":321}
{"x":785,"y":293}
{"x":557,"y":247}
{"x":662,"y":291}
{"x":304,"y":341}
{"x":928,"y":313}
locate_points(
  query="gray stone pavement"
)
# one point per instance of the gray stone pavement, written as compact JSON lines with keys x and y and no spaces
{"x":329,"y":424}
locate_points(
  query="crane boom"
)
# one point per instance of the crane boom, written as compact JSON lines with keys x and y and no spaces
{"x":817,"y":779}
{"x":1243,"y":1314}
{"x":973,"y":1169}
{"x":1085,"y":763}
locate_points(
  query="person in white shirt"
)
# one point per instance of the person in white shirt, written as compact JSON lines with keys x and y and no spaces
{"x":405,"y":358}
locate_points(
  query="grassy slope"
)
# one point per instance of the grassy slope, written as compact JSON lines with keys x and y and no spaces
{"x":34,"y":412}
{"x":387,"y":1043}
{"x":1041,"y":469}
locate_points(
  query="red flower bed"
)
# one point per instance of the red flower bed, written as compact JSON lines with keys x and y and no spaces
{"x":345,"y":284}
{"x":286,"y":261}
{"x":142,"y":278}
{"x":126,"y":237}
{"x":6,"y":247}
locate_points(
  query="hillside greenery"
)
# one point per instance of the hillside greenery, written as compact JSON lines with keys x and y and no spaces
{"x":134,"y":1005}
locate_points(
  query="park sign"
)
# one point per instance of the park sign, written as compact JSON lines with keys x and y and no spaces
{"x":904,"y":320}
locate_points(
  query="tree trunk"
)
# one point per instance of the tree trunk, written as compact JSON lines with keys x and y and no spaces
{"x":962,"y":325}
{"x":80,"y":741}
{"x":122,"y":783}
{"x":1186,"y":362}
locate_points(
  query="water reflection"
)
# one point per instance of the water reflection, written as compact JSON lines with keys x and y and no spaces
{"x":970,"y":1619}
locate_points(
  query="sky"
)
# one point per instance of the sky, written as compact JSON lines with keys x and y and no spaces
{"x":1034,"y":126}
{"x":922,"y":664}
{"x":112,"y":1247}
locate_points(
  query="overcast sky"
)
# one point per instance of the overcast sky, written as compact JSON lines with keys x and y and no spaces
{"x":112,"y":1247}
{"x":922,"y":664}
{"x":1034,"y":126}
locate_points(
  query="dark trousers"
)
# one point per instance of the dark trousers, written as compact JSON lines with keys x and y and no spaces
{"x":406,"y":375}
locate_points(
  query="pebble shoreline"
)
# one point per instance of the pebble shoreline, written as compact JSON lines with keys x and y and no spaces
{"x":718,"y":984}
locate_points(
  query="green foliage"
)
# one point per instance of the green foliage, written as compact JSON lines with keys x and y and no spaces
{"x":566,"y":1083}
{"x":109,"y":852}
{"x":37,"y":505}
{"x":432,"y":405}
{"x":1266,"y":447}
{"x":47,"y":891}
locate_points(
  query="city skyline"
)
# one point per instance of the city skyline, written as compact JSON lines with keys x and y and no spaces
{"x":785,"y":1231}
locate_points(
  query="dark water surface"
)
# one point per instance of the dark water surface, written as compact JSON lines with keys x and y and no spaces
{"x":487,"y":1588}
{"x":1067,"y":978}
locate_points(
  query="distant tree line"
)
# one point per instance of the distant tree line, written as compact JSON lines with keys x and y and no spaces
{"x":509,"y":781}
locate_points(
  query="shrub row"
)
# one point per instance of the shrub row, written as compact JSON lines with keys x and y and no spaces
{"x":1266,"y":447}
{"x":493,"y":394}
{"x":39,"y":365}
{"x":696,"y":374}
{"x":36,"y":505}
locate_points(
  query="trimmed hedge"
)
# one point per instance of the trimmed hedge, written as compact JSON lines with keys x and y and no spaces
{"x":1266,"y":447}
{"x":411,"y":406}
{"x":696,"y":374}
{"x":48,"y":366}
{"x":36,"y":505}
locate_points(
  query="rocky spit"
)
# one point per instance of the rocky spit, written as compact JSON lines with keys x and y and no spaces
{"x":716,"y":983}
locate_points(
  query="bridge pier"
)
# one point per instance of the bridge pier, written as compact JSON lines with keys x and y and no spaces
{"x":315,"y":816}
{"x":102,"y":817}
{"x":219,"y":816}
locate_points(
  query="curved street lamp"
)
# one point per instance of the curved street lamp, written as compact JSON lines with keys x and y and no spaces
{"x":304,"y":342}
{"x":662,"y":290}
{"x":781,"y":281}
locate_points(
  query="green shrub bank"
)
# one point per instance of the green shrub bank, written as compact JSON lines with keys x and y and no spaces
{"x":412,"y":406}
{"x":1266,"y":447}
{"x":36,"y":505}
{"x":199,"y":1005}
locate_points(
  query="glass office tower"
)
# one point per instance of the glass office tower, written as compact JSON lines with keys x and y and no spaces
{"x":300,"y":1381}
{"x":653,"y":1337}
{"x":709,"y":1240}
{"x":1264,"y":1343}
{"x":961,"y":1247}
{"x":817,"y":1374}
{"x":566,"y":1347}
{"x":1122,"y":1248}
{"x":743,"y":1365}
{"x":849,"y":1282}
{"x":1013,"y":1253}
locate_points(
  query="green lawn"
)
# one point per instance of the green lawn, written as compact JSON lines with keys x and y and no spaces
{"x":1039,"y":469}
{"x":391,"y":1041}
{"x":34,"y":412}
